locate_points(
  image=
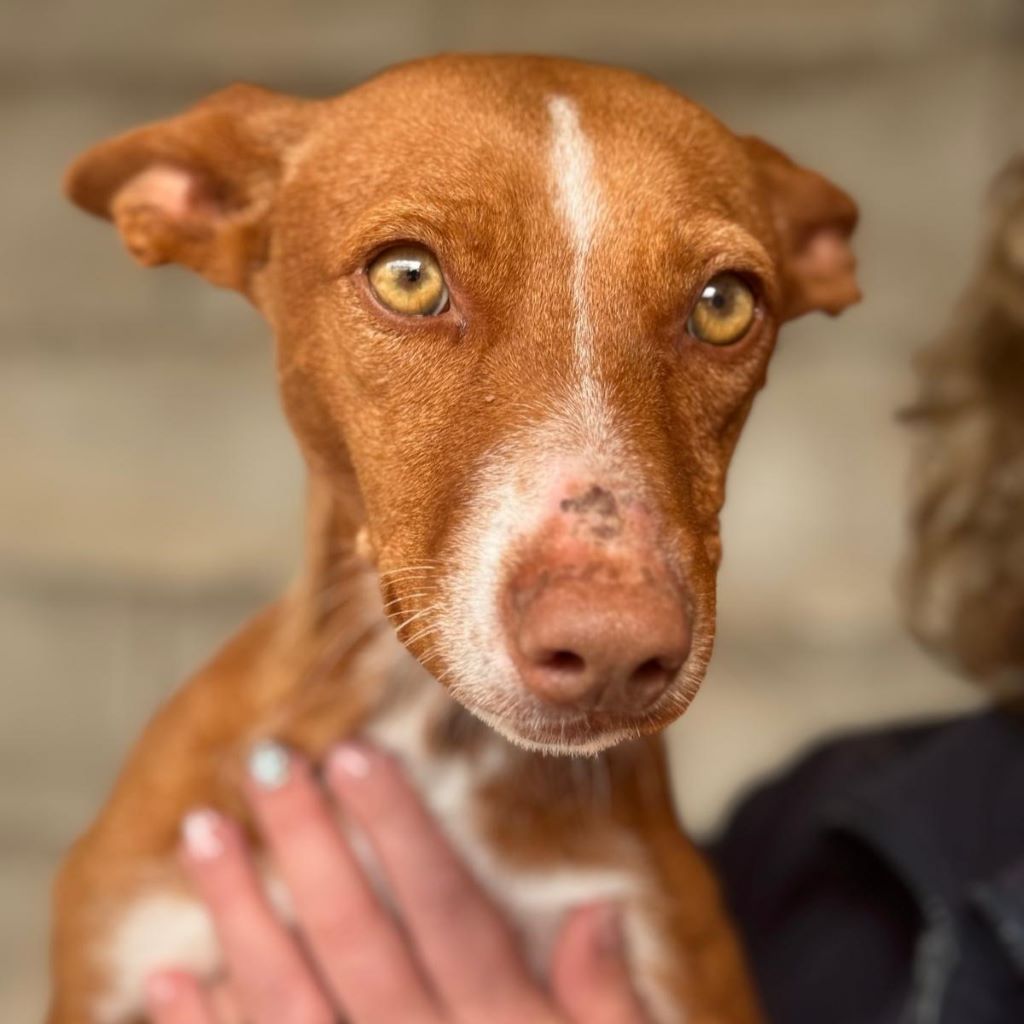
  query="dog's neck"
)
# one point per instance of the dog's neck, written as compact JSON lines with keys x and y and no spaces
{"x":331,"y":657}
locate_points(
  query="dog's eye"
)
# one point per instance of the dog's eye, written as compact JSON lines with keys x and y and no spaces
{"x":408,"y":280}
{"x":724,"y":312}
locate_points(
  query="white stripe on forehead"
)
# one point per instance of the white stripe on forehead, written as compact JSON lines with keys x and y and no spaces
{"x":573,"y":172}
{"x":578,"y":199}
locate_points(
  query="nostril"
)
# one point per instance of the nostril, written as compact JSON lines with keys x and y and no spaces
{"x":564,"y":661}
{"x":559,"y":676}
{"x":654,"y":670}
{"x":650,"y":679}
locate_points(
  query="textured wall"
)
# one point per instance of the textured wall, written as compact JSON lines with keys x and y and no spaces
{"x":150,"y":492}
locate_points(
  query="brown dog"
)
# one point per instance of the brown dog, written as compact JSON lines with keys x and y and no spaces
{"x":522,"y":308}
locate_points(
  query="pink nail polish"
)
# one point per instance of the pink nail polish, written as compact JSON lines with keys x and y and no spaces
{"x":348,"y":759}
{"x":203,"y":834}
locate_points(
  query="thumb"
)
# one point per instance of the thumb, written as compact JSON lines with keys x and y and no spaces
{"x":589,"y":974}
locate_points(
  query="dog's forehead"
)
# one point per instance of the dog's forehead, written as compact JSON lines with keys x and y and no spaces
{"x":457,"y":136}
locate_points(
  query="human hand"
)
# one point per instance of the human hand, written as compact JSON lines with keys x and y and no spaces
{"x":452,"y":958}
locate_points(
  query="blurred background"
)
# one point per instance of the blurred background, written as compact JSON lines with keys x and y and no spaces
{"x":150,"y":492}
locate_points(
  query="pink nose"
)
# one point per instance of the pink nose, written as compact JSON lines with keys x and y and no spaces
{"x":593,"y":640}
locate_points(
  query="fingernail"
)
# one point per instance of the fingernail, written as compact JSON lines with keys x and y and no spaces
{"x":202,"y":833}
{"x":269,"y":764}
{"x":608,"y":932}
{"x":349,"y":759}
{"x":161,"y":989}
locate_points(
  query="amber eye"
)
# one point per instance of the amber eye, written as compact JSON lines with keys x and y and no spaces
{"x":724,"y":311}
{"x":408,"y":280}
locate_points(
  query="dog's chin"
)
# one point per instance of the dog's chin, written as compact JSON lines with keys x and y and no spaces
{"x":567,"y":734}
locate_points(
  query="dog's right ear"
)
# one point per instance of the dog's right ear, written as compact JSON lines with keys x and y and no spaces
{"x":196,"y":189}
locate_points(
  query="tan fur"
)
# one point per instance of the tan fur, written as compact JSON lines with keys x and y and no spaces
{"x":286,"y":200}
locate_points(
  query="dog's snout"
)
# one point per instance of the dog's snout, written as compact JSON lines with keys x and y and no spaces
{"x":599,"y":644}
{"x":596,"y":621}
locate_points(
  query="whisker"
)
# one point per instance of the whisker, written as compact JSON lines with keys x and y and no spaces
{"x":416,"y":615}
{"x":425,"y":567}
{"x":423,"y":632}
{"x":388,"y":581}
{"x":406,"y":597}
{"x":445,"y":674}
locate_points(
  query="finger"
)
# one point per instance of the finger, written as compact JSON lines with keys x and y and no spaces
{"x":272,"y":980}
{"x":589,"y":973}
{"x":470,"y":954}
{"x":224,"y":1003}
{"x":359,"y":949}
{"x":176,"y":998}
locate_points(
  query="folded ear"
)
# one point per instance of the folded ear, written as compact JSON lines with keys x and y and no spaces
{"x":813,"y":220}
{"x":196,"y":189}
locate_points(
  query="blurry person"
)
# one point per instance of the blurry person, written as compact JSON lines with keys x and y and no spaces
{"x":966,"y":578}
{"x":881,"y":880}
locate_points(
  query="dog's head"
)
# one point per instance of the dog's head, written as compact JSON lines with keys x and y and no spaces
{"x":525,"y":304}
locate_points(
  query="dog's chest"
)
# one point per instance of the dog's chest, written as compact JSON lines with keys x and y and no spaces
{"x":534,"y":899}
{"x":168,"y":928}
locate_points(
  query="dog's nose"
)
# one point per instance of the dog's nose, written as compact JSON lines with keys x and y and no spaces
{"x":591,"y":643}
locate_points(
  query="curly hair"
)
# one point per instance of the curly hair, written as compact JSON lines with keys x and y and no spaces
{"x":965,"y":572}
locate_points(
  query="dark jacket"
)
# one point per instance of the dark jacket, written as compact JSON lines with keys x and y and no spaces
{"x":881,"y":880}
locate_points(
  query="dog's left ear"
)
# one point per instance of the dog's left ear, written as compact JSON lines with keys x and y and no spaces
{"x":196,"y":189}
{"x":813,"y":221}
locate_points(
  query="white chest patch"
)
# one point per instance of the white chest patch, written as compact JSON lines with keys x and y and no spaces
{"x":168,"y":929}
{"x":536,"y":901}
